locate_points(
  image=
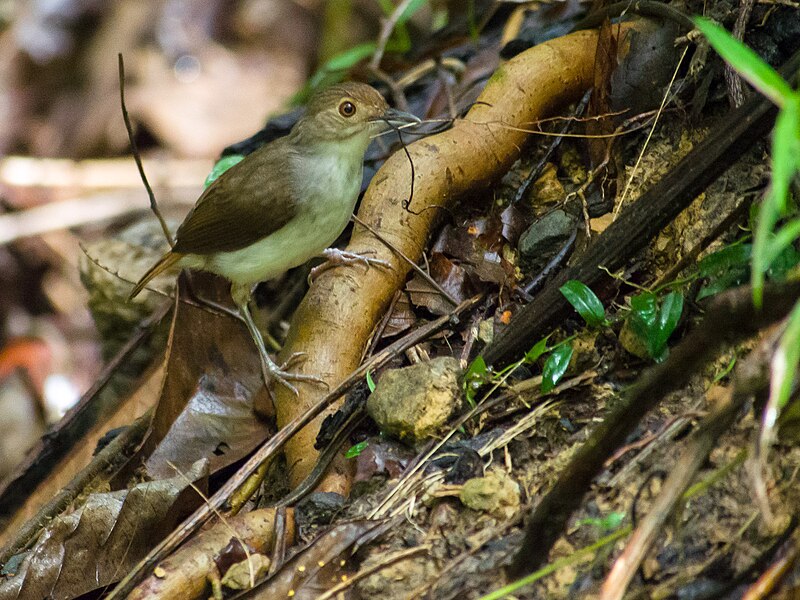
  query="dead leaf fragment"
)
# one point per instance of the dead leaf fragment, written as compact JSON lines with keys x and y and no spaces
{"x":99,"y":542}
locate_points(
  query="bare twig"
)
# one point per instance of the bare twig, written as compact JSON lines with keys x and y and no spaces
{"x":137,"y":157}
{"x":386,"y":32}
{"x":422,"y":273}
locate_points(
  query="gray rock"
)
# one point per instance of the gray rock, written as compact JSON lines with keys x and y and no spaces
{"x":544,"y":238}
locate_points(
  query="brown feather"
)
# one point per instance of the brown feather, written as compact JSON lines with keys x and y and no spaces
{"x":164,"y":263}
{"x":243,"y":206}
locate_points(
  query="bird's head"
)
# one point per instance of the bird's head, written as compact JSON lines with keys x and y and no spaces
{"x":347,"y":110}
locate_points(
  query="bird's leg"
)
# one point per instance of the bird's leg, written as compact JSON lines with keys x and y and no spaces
{"x":213,"y":306}
{"x":241,"y":295}
{"x":335,"y":257}
{"x":217,"y":308}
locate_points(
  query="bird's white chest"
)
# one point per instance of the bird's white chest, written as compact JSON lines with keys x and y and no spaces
{"x":329,"y":181}
{"x":327,"y":192}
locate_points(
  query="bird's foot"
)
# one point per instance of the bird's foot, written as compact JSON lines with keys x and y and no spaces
{"x":282,"y":375}
{"x":335,"y":257}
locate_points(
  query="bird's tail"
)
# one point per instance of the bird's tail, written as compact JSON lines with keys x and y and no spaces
{"x":164,"y":263}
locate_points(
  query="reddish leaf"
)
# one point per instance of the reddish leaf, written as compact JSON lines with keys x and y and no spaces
{"x":450,"y":276}
{"x":402,"y":317}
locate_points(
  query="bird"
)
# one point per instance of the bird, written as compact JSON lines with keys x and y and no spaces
{"x":284,"y":203}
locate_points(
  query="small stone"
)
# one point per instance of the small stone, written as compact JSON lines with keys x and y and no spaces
{"x":486,"y":331}
{"x":414,"y":403}
{"x":242,"y":575}
{"x":495,"y":493}
{"x":545,"y":238}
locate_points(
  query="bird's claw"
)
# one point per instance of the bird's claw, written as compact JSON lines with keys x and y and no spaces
{"x":273,"y":372}
{"x":335,"y":257}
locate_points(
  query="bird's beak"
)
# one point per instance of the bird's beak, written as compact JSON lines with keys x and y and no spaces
{"x":397,"y":118}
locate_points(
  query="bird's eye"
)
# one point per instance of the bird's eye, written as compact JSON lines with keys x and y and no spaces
{"x":347,"y":109}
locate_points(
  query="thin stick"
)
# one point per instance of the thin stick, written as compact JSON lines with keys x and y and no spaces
{"x":414,"y":265}
{"x":386,"y":32}
{"x":382,"y":564}
{"x":137,"y":157}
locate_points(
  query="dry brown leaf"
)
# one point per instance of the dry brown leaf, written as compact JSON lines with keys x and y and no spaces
{"x":213,"y":382}
{"x":100,"y":541}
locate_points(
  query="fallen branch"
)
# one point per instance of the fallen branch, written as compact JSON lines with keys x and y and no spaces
{"x":751,"y":376}
{"x":730,"y":318}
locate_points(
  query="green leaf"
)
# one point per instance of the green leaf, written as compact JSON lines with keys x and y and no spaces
{"x":370,"y":382}
{"x":349,"y":58}
{"x":652,"y":324}
{"x":668,"y":317}
{"x":585,"y":302}
{"x":538,"y":349}
{"x":477,"y":369}
{"x":724,"y":372}
{"x":334,"y":70}
{"x":785,"y":360}
{"x":609,"y":522}
{"x":400,"y":40}
{"x":726,"y":268}
{"x":670,"y":314}
{"x":789,"y":257}
{"x":410,"y":11}
{"x":746,"y":62}
{"x":477,"y":374}
{"x":783,"y":371}
{"x":733,"y":278}
{"x":355,"y":450}
{"x":388,"y":9}
{"x":555,"y":366}
{"x":735,"y":255}
{"x":644,"y":308}
{"x":785,"y":145}
{"x":222,"y":165}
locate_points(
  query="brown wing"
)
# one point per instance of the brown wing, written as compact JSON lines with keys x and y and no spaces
{"x":246,"y":204}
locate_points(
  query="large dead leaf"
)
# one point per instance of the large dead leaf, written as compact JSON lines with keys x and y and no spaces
{"x":99,"y":542}
{"x":213,"y":382}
